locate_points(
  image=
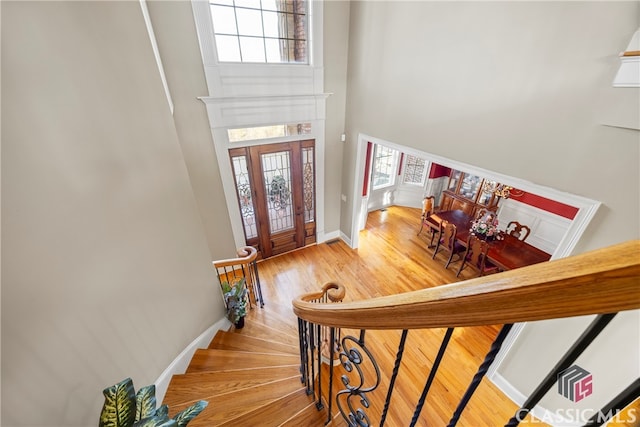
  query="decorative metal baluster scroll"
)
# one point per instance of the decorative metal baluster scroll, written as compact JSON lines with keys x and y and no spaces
{"x":355,"y":357}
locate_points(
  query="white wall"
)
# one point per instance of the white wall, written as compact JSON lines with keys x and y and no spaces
{"x":547,"y":229}
{"x":523,"y":89}
{"x":105,"y":266}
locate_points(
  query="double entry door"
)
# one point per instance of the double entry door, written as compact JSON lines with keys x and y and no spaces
{"x":275,"y":185}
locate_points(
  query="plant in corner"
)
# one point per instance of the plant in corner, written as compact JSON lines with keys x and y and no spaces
{"x":235,"y":296}
{"x":123,"y":407}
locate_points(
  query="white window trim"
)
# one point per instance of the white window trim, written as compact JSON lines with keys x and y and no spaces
{"x":394,"y":169}
{"x":423,"y":178}
{"x":250,"y":94}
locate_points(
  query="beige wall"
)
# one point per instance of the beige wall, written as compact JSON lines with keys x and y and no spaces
{"x":519,"y":88}
{"x":336,"y":41}
{"x":112,"y":209}
{"x":178,"y":45}
{"x":103,"y":244}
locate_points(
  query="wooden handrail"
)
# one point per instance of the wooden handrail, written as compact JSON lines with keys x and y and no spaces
{"x":245,"y":266}
{"x":335,"y":293}
{"x":601,"y":281}
{"x":246,"y":254}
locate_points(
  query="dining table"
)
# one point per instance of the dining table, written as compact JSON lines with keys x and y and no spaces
{"x":507,"y":252}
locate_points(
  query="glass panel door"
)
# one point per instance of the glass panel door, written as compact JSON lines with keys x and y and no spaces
{"x":275,"y":185}
{"x":276,"y":171}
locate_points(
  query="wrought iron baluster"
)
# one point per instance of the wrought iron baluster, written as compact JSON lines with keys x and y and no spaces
{"x":482,"y":370}
{"x":257,"y":282}
{"x":304,"y":367}
{"x":352,"y":357}
{"x":394,"y":375}
{"x":332,"y":337}
{"x":319,"y":346}
{"x":618,"y":403}
{"x":312,"y":347}
{"x":592,"y":331}
{"x":251,"y":291}
{"x":226,"y":274}
{"x":432,"y":375}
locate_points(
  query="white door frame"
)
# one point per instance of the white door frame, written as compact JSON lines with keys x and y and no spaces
{"x":586,"y":210}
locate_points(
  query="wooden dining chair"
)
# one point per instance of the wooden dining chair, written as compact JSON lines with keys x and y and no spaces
{"x":517,"y":230}
{"x":448,"y":242}
{"x":483,"y":212}
{"x":466,"y":206}
{"x":428,"y":209}
{"x":475,"y":256}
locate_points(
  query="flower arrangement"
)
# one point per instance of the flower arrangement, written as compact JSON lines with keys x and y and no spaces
{"x":485,"y":227}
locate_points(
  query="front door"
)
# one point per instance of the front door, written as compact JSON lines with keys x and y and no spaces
{"x":275,"y":185}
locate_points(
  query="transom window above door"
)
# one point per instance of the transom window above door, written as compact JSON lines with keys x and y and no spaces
{"x":260,"y":31}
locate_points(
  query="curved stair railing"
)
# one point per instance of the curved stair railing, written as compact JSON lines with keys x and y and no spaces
{"x":318,"y":342}
{"x":602,"y":282}
{"x":245,"y":266}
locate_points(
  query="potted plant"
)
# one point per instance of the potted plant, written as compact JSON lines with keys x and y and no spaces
{"x":235,"y":296}
{"x":124,"y":407}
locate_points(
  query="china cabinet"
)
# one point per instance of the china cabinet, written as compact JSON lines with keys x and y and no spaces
{"x":465,"y":192}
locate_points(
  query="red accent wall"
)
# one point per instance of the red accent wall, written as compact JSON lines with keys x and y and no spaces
{"x":438,"y":171}
{"x":566,"y":211}
{"x":546,"y":204}
{"x":367,"y":169}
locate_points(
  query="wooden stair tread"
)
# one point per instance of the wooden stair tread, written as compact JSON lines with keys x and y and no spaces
{"x":309,"y":416}
{"x":276,"y":316}
{"x":233,"y":341}
{"x":312,"y":417}
{"x":204,"y":385}
{"x":277,"y":411}
{"x":236,"y":403}
{"x":256,"y":329}
{"x":222,"y":360}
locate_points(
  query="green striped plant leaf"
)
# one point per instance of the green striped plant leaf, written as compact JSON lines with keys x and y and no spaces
{"x":146,"y":402}
{"x":190,"y":413}
{"x":163,"y":410}
{"x":156,"y":421}
{"x":119,"y":409}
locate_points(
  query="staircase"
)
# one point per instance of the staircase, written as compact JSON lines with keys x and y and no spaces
{"x":249,"y":376}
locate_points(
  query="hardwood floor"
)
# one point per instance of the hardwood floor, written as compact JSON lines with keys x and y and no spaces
{"x":392,"y":259}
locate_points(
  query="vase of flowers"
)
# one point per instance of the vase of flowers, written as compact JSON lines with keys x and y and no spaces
{"x":485,"y":228}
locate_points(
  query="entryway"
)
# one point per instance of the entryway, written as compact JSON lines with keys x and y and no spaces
{"x":275,"y":187}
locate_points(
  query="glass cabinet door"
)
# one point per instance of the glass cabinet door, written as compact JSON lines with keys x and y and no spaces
{"x":485,"y":197}
{"x":470,"y":186}
{"x":454,"y":179}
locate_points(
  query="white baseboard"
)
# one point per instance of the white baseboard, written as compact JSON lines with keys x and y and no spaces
{"x":180,"y":363}
{"x":328,"y":236}
{"x":551,"y":418}
{"x":346,"y":239}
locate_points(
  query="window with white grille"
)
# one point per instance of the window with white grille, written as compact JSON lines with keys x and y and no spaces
{"x":260,"y":31}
